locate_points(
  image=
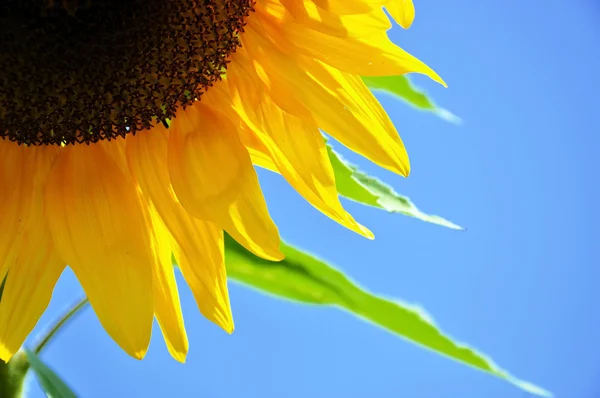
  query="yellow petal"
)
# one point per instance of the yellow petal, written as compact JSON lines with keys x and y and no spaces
{"x":345,"y":7}
{"x":213,"y":178}
{"x":312,"y":16}
{"x":298,"y":151}
{"x":259,"y":154}
{"x":366,"y":50}
{"x":222,"y":98}
{"x":251,"y":74}
{"x":371,"y":54}
{"x":260,"y":67}
{"x":22,"y":171}
{"x":99,"y":229}
{"x":280,"y":142}
{"x":202,"y":264}
{"x":403,"y":12}
{"x":372,"y":19}
{"x":339,"y":102}
{"x":361,"y":123}
{"x":261,"y":159}
{"x":167,"y":307}
{"x":28,"y":289}
{"x":31,"y":263}
{"x":198,"y":245}
{"x":13,"y":187}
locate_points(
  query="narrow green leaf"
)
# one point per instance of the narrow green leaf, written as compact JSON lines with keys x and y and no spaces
{"x":355,"y":185}
{"x":401,"y":86}
{"x":302,"y":277}
{"x":49,"y":381}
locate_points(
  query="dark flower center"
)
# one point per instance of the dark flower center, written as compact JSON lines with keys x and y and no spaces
{"x":74,"y":71}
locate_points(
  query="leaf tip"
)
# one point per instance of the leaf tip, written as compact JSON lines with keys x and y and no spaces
{"x":448,"y":116}
{"x":533,"y":389}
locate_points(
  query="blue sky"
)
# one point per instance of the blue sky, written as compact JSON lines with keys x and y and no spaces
{"x":521,"y":284}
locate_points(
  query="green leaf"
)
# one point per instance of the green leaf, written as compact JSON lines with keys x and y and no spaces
{"x":400,"y":86}
{"x":49,"y":381}
{"x":302,"y":277}
{"x":355,"y":185}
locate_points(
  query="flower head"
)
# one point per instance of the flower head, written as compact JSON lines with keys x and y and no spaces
{"x":131,"y":129}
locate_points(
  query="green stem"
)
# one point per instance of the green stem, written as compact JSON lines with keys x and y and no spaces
{"x":12,"y":375}
{"x":56,"y":327}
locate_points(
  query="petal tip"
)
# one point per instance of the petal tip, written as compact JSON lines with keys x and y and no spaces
{"x":266,"y":253}
{"x":179,"y":356}
{"x":405,"y":24}
{"x":402,"y":168}
{"x":364,"y":231}
{"x":403,"y":12}
{"x":5,"y":353}
{"x":139,"y":354}
{"x":273,"y":255}
{"x":437,"y":78}
{"x":226,"y":324}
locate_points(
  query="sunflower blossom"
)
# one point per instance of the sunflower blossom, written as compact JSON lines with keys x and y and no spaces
{"x":130,"y":131}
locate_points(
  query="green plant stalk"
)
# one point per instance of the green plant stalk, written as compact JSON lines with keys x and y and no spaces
{"x":59,"y":324}
{"x":12,"y":376}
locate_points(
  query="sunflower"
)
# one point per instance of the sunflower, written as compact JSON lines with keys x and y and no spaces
{"x":130,"y":131}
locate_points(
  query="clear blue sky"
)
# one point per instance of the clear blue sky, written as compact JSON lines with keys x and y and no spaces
{"x":521,"y":284}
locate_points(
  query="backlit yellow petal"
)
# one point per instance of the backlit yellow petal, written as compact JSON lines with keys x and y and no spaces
{"x":279,"y":141}
{"x":202,"y":263}
{"x":222,"y":98}
{"x":261,"y":159}
{"x":403,"y":12}
{"x":28,"y":289}
{"x":166,"y":296}
{"x":14,"y":185}
{"x":314,"y":17}
{"x":368,"y":55}
{"x":339,"y":102}
{"x":214,"y":180}
{"x":287,"y":139}
{"x":22,"y":170}
{"x":361,"y":123}
{"x":198,"y":245}
{"x":30,"y":260}
{"x":252,"y":72}
{"x":345,"y":7}
{"x":99,"y":229}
